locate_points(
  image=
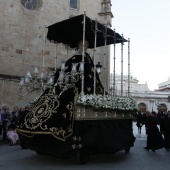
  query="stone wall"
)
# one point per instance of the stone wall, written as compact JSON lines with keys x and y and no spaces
{"x":22,"y":43}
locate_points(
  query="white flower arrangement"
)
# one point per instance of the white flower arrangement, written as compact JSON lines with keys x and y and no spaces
{"x":107,"y":102}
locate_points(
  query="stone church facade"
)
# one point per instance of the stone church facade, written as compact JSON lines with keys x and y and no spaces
{"x":22,"y":23}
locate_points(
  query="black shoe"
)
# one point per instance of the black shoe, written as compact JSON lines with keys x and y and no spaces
{"x":153,"y":150}
{"x":146,"y":148}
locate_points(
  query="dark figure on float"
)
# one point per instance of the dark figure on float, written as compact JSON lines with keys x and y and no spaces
{"x":52,"y":113}
{"x":51,"y":117}
{"x":50,"y":126}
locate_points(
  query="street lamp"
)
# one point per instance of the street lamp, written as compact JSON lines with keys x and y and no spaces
{"x":98,"y":68}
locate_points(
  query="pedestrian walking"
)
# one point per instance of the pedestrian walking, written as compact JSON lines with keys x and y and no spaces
{"x":154,"y":138}
{"x":160,"y":116}
{"x":139,"y":120}
{"x":166,"y":131}
{"x":6,"y":120}
{"x":144,"y":120}
{"x":1,"y":117}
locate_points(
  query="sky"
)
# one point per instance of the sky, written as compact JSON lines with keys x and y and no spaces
{"x":147,"y":24}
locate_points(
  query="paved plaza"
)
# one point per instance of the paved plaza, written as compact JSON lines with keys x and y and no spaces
{"x":14,"y":158}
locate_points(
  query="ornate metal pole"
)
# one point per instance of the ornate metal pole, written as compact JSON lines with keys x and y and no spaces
{"x":56,"y":57}
{"x":128,"y":67}
{"x":95,"y":38}
{"x":67,"y":52}
{"x":83,"y":53}
{"x":44,"y":46}
{"x":114,"y":64}
{"x":43,"y":64}
{"x":122,"y":66}
{"x":105,"y":42}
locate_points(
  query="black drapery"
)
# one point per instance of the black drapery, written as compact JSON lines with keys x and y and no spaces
{"x":70,"y":32}
{"x":53,"y":113}
{"x":52,"y":116}
{"x":97,"y":136}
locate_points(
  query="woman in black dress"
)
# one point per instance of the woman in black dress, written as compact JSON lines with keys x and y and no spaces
{"x":154,"y":138}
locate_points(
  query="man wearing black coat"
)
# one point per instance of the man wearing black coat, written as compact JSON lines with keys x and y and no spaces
{"x":166,"y":131}
{"x":139,"y":119}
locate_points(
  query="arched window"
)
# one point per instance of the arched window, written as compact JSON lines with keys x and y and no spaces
{"x":73,"y":4}
{"x":30,"y":4}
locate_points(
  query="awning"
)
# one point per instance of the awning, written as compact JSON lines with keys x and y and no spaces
{"x":70,"y":33}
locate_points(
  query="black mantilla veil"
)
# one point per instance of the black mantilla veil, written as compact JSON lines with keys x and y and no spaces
{"x":52,"y":113}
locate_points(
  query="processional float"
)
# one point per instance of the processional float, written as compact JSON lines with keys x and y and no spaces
{"x":76,"y":116}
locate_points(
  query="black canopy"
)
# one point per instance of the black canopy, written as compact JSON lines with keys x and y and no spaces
{"x":70,"y":33}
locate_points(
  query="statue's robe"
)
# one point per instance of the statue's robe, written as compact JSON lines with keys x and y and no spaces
{"x":53,"y":112}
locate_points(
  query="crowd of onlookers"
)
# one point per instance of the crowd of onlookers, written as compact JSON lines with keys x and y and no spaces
{"x":8,"y":123}
{"x":157,"y":138}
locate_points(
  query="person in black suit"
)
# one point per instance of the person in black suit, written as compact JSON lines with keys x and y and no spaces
{"x":22,"y":115}
{"x":160,"y":118}
{"x":139,"y":119}
{"x":144,"y":120}
{"x":166,"y":131}
{"x":154,"y":138}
